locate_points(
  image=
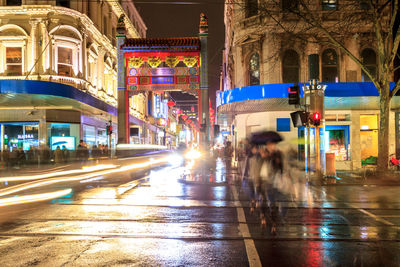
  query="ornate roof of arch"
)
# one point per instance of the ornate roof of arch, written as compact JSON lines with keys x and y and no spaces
{"x":163,"y":44}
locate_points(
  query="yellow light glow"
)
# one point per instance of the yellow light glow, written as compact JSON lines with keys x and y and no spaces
{"x":33,"y":198}
{"x":49,"y":181}
{"x":193,"y":154}
{"x":61,"y":173}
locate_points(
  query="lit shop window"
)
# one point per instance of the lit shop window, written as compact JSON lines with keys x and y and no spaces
{"x":254,"y":70}
{"x":64,"y":61}
{"x":14,"y":61}
{"x":337,"y":140}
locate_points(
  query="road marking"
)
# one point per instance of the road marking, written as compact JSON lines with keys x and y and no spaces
{"x":252,"y":254}
{"x":377,"y":218}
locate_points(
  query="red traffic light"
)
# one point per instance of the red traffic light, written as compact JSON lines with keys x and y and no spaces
{"x":316,"y":118}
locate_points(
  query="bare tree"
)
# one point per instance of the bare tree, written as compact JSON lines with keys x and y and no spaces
{"x":329,"y":24}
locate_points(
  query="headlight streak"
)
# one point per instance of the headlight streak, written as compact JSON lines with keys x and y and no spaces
{"x":33,"y":198}
{"x":61,"y":173}
{"x":35,"y":184}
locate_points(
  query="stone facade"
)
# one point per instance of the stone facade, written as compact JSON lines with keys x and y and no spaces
{"x":70,"y":42}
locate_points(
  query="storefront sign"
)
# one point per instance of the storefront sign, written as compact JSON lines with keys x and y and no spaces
{"x":25,"y":136}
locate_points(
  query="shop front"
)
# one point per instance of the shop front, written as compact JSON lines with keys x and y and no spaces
{"x":16,"y":135}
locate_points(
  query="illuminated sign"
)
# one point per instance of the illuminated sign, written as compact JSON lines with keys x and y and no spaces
{"x":163,"y":79}
{"x":25,"y":136}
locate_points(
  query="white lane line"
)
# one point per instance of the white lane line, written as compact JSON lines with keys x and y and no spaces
{"x":377,"y":218}
{"x":252,"y":254}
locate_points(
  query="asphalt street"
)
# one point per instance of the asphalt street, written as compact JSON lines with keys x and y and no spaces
{"x":164,"y":219}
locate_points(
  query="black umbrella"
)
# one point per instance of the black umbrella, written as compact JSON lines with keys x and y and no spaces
{"x":261,"y":138}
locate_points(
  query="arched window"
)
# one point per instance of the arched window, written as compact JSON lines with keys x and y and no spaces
{"x":251,"y":8}
{"x":368,"y":58}
{"x":330,"y":66}
{"x":290,"y":67}
{"x":254,"y":69}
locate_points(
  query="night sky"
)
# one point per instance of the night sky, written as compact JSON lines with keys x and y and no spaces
{"x":181,"y":19}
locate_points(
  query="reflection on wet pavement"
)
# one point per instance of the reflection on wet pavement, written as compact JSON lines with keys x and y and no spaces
{"x":164,"y":219}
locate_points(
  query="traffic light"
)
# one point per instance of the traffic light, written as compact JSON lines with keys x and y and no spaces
{"x":316,"y":119}
{"x":299,"y":118}
{"x":294,"y":95}
{"x":109,"y":129}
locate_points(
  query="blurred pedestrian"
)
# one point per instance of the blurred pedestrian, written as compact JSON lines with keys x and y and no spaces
{"x":253,"y":178}
{"x":6,"y":157}
{"x":240,"y":157}
{"x":58,"y":155}
{"x":270,"y":188}
{"x":96,"y":152}
{"x":65,"y":154}
{"x":82,"y":152}
{"x":21,"y":157}
{"x":228,"y":153}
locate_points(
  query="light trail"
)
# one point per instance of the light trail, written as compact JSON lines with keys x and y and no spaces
{"x":61,"y":173}
{"x":33,"y":198}
{"x":36,"y":184}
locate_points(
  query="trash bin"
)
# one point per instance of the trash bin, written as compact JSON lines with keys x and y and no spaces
{"x":330,"y":164}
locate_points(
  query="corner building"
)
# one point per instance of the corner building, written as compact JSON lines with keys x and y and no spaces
{"x":261,"y":62}
{"x":58,"y":71}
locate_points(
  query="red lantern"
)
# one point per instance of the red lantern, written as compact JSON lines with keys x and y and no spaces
{"x":178,"y":111}
{"x":184,"y":116}
{"x":171,"y":104}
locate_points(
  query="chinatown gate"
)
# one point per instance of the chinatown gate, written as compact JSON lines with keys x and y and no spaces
{"x":156,"y":65}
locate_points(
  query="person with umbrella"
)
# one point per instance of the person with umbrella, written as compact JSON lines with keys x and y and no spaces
{"x":273,"y":159}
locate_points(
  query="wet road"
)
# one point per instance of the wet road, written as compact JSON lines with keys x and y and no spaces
{"x":159,"y":220}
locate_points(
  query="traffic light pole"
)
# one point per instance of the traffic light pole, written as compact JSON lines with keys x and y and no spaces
{"x":314,"y":103}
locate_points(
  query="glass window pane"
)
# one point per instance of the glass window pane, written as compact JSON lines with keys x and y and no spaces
{"x":65,"y":55}
{"x":14,"y":2}
{"x":329,"y":57}
{"x":329,"y":75}
{"x":254,"y":69}
{"x":329,"y":4}
{"x":251,"y":8}
{"x":337,"y":144}
{"x":14,"y":55}
{"x":14,"y":70}
{"x":290,"y":71}
{"x":329,"y":66}
{"x":64,"y":70}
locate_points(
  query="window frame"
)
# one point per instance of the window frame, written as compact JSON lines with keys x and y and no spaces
{"x":363,"y":74}
{"x":14,"y":64}
{"x":250,"y":71}
{"x":298,"y":66}
{"x":325,"y":66}
{"x":70,"y":65}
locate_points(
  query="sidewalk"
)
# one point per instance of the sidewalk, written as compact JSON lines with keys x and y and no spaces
{"x":361,"y":178}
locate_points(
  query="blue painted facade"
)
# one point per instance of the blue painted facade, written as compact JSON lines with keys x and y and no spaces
{"x":61,"y":90}
{"x":269,"y":91}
